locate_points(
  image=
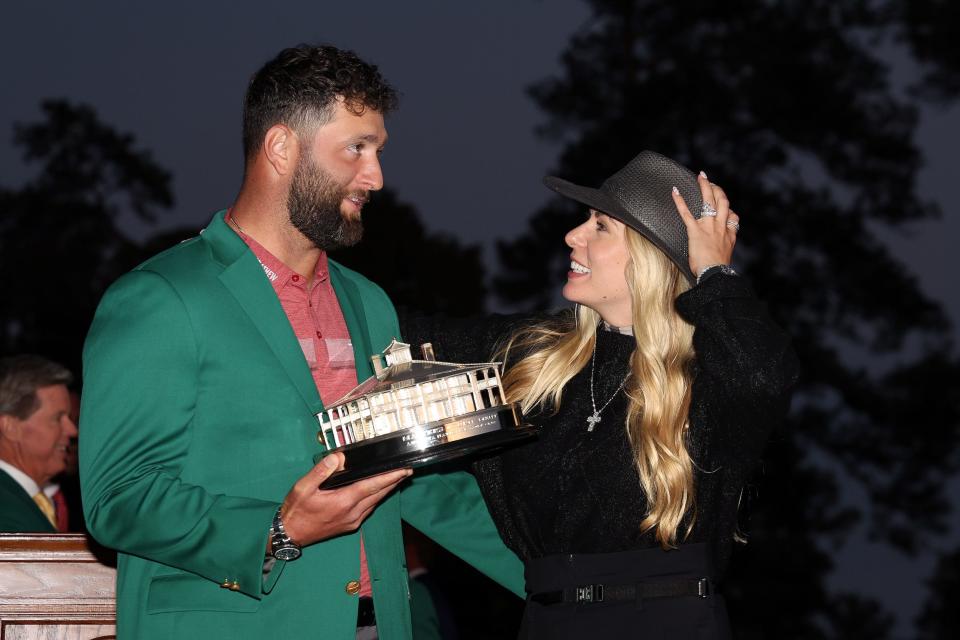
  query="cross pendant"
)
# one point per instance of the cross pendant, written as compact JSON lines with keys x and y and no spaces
{"x":592,"y":421}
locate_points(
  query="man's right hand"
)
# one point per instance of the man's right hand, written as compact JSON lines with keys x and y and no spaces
{"x":311,"y":514}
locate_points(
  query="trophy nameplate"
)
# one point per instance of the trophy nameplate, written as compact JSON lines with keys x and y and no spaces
{"x":414,"y":413}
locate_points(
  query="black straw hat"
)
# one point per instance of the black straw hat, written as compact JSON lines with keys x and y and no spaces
{"x":640,"y":196}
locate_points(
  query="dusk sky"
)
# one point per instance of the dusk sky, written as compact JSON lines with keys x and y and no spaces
{"x":462,"y":146}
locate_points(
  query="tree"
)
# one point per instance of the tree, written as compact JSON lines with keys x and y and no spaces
{"x":940,"y":617}
{"x":60,"y":243}
{"x":788,"y":106}
{"x":425,"y":272}
{"x":928,"y":26}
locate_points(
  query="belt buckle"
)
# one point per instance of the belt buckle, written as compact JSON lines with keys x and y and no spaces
{"x":589,"y":593}
{"x":703,"y":587}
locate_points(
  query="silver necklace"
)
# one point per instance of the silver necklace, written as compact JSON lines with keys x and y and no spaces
{"x":237,"y":225}
{"x":595,"y":417}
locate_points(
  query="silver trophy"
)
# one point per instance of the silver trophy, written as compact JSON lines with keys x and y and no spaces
{"x":413,"y":413}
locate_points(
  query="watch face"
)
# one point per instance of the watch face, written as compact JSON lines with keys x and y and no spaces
{"x":286,"y":553}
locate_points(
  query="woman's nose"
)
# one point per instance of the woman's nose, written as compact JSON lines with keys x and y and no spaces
{"x":574,"y":237}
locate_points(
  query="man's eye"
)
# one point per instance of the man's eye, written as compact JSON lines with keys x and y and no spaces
{"x":601,"y":226}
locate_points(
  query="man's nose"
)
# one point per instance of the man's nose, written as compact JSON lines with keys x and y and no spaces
{"x":372,"y":176}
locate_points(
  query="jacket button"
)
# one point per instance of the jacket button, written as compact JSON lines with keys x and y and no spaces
{"x":353,"y":587}
{"x":225,"y":584}
{"x":234,"y":586}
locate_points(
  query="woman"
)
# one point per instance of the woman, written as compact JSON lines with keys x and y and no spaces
{"x":655,"y":398}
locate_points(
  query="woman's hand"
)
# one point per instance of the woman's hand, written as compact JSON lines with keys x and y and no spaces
{"x":712,"y":236}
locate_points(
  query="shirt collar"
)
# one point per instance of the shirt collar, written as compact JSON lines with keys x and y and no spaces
{"x":21,"y":478}
{"x":606,"y":326}
{"x":278,"y":273}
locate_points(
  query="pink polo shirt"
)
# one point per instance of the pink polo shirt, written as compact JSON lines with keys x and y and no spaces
{"x":317,"y":321}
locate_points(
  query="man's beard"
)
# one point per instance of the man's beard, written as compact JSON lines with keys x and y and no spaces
{"x":313,"y":203}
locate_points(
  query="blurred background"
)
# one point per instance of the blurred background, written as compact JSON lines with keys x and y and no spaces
{"x":833,"y":126}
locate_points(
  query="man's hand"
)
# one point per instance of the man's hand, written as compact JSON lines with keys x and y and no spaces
{"x":311,"y":514}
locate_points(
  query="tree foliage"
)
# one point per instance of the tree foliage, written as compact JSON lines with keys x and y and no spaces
{"x":427,"y":272}
{"x":940,"y":617}
{"x":60,"y":244}
{"x":789,"y":107}
{"x":929,"y":28}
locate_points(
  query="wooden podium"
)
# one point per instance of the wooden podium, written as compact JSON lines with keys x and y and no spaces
{"x":52,"y":587}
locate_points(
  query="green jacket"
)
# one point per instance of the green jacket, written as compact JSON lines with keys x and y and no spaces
{"x":18,"y":512}
{"x":199,"y":414}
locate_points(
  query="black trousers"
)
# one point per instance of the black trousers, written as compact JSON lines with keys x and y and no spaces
{"x":646,"y":618}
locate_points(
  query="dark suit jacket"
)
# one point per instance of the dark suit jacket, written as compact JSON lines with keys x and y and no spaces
{"x":18,"y":512}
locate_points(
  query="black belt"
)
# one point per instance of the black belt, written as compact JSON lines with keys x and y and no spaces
{"x":366,"y":617}
{"x":593,"y":593}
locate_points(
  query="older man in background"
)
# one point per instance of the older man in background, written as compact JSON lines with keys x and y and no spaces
{"x":35,"y":433}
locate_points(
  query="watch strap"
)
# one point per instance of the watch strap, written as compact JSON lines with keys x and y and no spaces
{"x":281,"y":546}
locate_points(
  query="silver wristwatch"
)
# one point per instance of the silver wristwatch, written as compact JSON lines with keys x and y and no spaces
{"x":281,"y":546}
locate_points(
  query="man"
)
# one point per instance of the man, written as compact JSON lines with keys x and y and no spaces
{"x":64,"y":489}
{"x":204,"y":372}
{"x":35,"y":432}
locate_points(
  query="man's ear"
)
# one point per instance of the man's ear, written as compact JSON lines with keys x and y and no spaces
{"x":9,"y":428}
{"x":280,"y":148}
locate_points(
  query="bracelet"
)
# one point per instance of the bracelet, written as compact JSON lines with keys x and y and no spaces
{"x":722,"y":268}
{"x":282,"y":547}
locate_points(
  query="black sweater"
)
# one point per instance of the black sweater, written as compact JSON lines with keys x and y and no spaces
{"x":575,"y":491}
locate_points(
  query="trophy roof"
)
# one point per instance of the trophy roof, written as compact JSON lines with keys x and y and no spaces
{"x":406,"y":372}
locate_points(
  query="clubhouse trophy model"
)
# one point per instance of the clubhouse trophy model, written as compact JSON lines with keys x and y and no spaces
{"x":412,"y":413}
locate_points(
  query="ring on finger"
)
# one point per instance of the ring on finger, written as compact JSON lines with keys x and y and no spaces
{"x":708,"y":211}
{"x":733,"y":224}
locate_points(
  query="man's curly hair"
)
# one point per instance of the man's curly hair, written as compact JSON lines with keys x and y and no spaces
{"x":301,"y":86}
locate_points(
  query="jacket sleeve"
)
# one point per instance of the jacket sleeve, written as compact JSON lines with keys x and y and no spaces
{"x":448,"y":508}
{"x":745,"y":366}
{"x":140,"y":391}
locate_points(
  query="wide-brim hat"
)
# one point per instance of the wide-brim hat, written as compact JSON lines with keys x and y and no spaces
{"x":640,"y":196}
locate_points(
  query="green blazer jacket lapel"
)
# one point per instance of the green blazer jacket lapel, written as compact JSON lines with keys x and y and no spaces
{"x":352,"y":307}
{"x":244,"y":278}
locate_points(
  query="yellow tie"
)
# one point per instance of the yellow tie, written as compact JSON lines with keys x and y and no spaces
{"x":46,"y":505}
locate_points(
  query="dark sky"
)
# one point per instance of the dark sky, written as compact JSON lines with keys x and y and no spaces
{"x":462,"y":147}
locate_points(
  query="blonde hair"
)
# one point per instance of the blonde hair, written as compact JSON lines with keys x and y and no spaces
{"x":658,"y":388}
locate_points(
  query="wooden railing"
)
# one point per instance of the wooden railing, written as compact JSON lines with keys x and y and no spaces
{"x":53,"y":587}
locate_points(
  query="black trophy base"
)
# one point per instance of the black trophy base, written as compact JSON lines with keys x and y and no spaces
{"x":429,"y":444}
